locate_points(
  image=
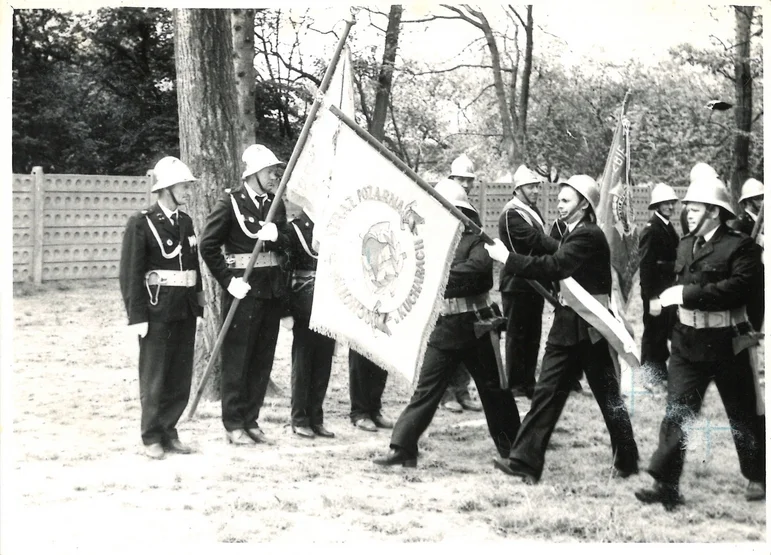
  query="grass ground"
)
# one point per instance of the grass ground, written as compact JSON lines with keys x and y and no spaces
{"x":81,"y":480}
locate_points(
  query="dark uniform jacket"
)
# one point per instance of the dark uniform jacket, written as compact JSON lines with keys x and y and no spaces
{"x":471,"y":274}
{"x":583,"y":255}
{"x":141,"y":252}
{"x":755,"y":309}
{"x":658,"y":251}
{"x":743,"y":223}
{"x":519,"y":235}
{"x":223,"y":232}
{"x":717,"y":278}
{"x":301,"y":287}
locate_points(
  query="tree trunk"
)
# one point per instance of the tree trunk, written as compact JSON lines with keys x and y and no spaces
{"x":377,"y":128}
{"x":507,"y":126}
{"x":743,"y":90}
{"x":527,"y":69}
{"x":242,"y":22}
{"x":208,"y":110}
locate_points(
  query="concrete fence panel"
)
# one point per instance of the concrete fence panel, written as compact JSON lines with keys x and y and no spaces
{"x":71,"y":226}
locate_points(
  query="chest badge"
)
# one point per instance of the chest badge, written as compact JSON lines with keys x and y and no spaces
{"x":169,"y":242}
{"x":251,"y":220}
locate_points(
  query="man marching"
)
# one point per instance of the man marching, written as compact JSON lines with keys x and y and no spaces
{"x":160,"y":281}
{"x":658,"y":250}
{"x":466,"y":332}
{"x":572,"y":345}
{"x":233,"y":228}
{"x":715,"y":268}
{"x":521,"y":228}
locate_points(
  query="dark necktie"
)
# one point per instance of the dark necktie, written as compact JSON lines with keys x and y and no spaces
{"x":174,"y":219}
{"x":698,"y":244}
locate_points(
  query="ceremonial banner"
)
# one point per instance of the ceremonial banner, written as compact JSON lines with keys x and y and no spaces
{"x":384,"y":260}
{"x":596,"y":315}
{"x":615,"y":216}
{"x":311,"y":179}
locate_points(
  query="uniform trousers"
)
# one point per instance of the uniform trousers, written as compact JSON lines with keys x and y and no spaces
{"x":435,"y":374}
{"x":688,"y":381}
{"x":654,"y":352}
{"x":561,"y":366}
{"x":457,"y":388}
{"x":165,"y":377}
{"x":247,"y":359}
{"x":366,"y":383}
{"x":523,"y":312}
{"x":311,"y":367}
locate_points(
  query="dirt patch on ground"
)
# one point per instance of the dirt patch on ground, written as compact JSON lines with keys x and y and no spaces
{"x":80,"y":479}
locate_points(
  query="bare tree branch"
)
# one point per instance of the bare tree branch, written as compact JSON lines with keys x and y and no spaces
{"x":453,"y":68}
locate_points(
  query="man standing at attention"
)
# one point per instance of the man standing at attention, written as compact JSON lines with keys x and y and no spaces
{"x":573,"y":345}
{"x":715,"y":269}
{"x":521,"y":228}
{"x":658,"y":250}
{"x":160,"y":281}
{"x":233,"y":228}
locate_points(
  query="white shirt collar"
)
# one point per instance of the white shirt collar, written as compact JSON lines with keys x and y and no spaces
{"x":753,"y":216}
{"x":709,"y":234}
{"x":168,"y":213}
{"x":662,"y":218}
{"x":254,"y":194}
{"x":572,"y":226}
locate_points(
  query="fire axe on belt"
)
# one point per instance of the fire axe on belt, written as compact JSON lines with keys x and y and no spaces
{"x":492,"y":327}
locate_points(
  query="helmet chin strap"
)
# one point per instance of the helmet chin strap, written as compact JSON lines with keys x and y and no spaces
{"x":570,"y":214}
{"x":173,"y":196}
{"x":527,"y":197}
{"x":699,"y":225}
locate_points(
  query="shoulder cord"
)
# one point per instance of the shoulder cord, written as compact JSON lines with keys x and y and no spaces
{"x":524,"y":217}
{"x":176,"y":252}
{"x":303,"y":242}
{"x":240,"y":219}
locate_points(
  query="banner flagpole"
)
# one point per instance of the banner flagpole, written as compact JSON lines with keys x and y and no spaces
{"x":404,"y":168}
{"x":317,"y":102}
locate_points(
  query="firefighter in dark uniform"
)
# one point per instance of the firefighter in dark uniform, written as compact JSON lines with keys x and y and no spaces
{"x":715,"y":267}
{"x":572,"y":345}
{"x":233,"y":228}
{"x":751,"y":201}
{"x":366,"y":384}
{"x":457,"y":398}
{"x":160,"y":281}
{"x":521,"y":228}
{"x":311,"y":352}
{"x":462,"y":335}
{"x":658,"y":250}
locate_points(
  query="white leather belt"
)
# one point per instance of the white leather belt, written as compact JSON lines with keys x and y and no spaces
{"x":171,"y":278}
{"x":239,"y":261}
{"x":700,"y":319}
{"x":465,"y":304}
{"x":303,"y":273}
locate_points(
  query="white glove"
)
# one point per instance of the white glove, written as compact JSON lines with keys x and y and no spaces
{"x":140,"y":329}
{"x":238,"y":288}
{"x":268,"y":232}
{"x":287,"y":322}
{"x":497,"y":251}
{"x":672,"y":296}
{"x":655,"y":307}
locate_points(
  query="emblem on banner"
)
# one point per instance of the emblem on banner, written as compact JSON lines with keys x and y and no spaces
{"x":385,"y":281}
